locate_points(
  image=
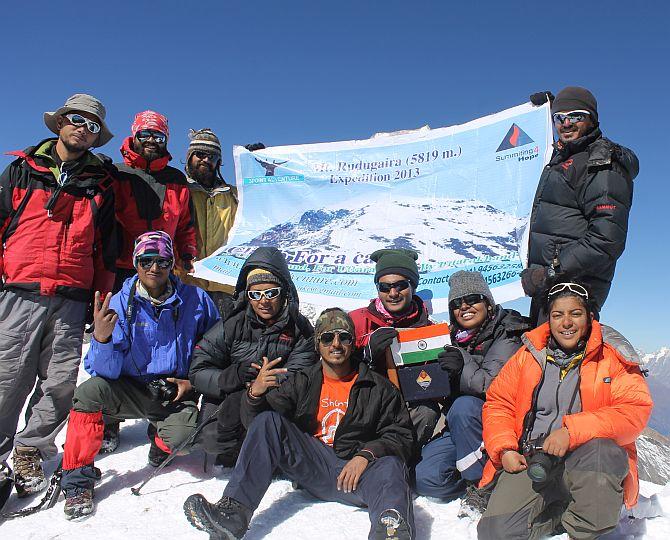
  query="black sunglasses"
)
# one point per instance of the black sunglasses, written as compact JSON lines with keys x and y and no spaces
{"x":205,"y":155}
{"x":572,"y":117}
{"x":398,"y":286}
{"x":147,"y":262}
{"x":469,"y":299}
{"x":328,"y":337}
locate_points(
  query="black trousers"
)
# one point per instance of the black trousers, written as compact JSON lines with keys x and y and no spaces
{"x":273,"y":442}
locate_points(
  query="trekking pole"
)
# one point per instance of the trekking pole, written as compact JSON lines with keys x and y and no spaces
{"x":175,"y":452}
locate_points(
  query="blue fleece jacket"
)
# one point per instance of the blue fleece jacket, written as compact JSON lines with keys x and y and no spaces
{"x":159,"y":341}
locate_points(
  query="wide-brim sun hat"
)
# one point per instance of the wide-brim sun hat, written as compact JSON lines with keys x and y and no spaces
{"x":81,"y":103}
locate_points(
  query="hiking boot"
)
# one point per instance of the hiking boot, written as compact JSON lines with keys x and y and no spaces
{"x":392,"y":526}
{"x":227,"y":519}
{"x":156,"y":454}
{"x":28,"y":474}
{"x":110,"y":438}
{"x":6,"y":483}
{"x":78,"y":503}
{"x":473,"y":503}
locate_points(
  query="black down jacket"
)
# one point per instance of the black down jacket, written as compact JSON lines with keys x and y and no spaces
{"x":579,"y":219}
{"x":484,"y":357}
{"x":376,"y":422}
{"x":243,"y":338}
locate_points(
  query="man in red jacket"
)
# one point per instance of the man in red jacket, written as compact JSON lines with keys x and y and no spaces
{"x":151,"y":195}
{"x":58,"y":245}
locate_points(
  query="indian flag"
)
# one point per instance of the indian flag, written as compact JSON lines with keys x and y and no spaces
{"x":419,"y":345}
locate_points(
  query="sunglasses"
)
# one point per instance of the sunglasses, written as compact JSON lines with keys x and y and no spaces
{"x":205,"y":155}
{"x":147,"y":262}
{"x":468,"y":299}
{"x":328,"y":337}
{"x":146,"y":134}
{"x":398,"y":286}
{"x":572,"y":117}
{"x":572,"y":287}
{"x":79,"y":120}
{"x":270,"y":294}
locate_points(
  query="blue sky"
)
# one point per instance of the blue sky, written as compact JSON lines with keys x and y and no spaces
{"x":302,"y":71}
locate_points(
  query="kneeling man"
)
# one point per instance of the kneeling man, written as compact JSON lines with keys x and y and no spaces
{"x":339,"y":430}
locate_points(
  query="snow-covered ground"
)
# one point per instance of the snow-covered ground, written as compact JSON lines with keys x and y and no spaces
{"x":284,"y":512}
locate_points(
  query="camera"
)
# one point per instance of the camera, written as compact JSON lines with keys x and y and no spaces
{"x":162,"y":390}
{"x":539,"y":463}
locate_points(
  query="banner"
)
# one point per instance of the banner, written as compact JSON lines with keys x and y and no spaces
{"x":460,"y":196}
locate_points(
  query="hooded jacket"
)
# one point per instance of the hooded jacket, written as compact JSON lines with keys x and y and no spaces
{"x":376,"y":423}
{"x":152,"y":196}
{"x":214,"y":214}
{"x":615,"y":402}
{"x":57,"y":223}
{"x":149,"y":341}
{"x":491,"y":348}
{"x":243,"y":338}
{"x":579,"y":219}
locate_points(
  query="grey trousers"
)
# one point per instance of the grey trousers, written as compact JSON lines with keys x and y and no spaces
{"x":584,"y":496}
{"x":40,"y":338}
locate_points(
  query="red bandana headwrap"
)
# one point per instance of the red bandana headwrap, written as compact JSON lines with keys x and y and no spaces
{"x":150,"y":120}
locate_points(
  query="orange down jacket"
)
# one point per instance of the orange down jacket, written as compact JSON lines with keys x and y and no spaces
{"x":616,"y":403}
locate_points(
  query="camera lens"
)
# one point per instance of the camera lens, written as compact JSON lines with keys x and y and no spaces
{"x":539,"y":466}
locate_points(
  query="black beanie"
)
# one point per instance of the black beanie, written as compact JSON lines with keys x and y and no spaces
{"x":397,"y":261}
{"x":574,"y":98}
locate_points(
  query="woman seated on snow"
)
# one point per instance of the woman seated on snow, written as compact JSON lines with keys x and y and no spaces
{"x":484,"y":336}
{"x":560,"y":423}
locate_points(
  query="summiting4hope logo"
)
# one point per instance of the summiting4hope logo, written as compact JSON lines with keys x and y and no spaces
{"x":516,"y":138}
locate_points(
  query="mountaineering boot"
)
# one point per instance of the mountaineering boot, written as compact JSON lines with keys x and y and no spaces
{"x":6,"y":483}
{"x":224,"y":520}
{"x":473,"y":503}
{"x":78,"y":503}
{"x":110,"y":438}
{"x":156,"y":454}
{"x":392,"y":526}
{"x":28,"y":474}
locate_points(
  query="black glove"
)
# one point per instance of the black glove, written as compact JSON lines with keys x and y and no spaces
{"x":533,"y":280}
{"x":451,"y":360}
{"x":380,"y":340}
{"x":246,"y":372}
{"x":186,"y":262}
{"x":254,"y":146}
{"x":540,"y":98}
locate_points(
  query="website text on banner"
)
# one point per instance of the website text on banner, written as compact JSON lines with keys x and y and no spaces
{"x":461,"y":196}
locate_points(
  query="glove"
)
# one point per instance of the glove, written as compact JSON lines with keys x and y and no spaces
{"x":254,"y":146}
{"x":246,"y":372}
{"x":540,"y":98}
{"x":451,"y":360}
{"x":380,"y":340}
{"x":534,"y":279}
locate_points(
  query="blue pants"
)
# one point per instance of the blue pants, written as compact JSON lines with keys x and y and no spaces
{"x":455,"y":458}
{"x":274,"y":442}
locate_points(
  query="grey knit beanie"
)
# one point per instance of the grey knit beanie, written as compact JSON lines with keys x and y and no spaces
{"x":462,"y":283}
{"x":203,"y":140}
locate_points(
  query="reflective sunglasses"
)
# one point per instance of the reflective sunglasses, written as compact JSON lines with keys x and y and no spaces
{"x":572,"y":117}
{"x":468,"y":299}
{"x":79,"y":120}
{"x":328,"y":337}
{"x":205,"y":155}
{"x":145,"y":134}
{"x":572,"y":287}
{"x":270,"y":294}
{"x":147,"y":262}
{"x":398,"y":286}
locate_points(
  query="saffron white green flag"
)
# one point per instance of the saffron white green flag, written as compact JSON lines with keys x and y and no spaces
{"x":419,"y":345}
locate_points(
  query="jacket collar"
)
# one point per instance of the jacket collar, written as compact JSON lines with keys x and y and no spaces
{"x":315,"y":374}
{"x":565,"y":150}
{"x":536,"y":341}
{"x":137,"y":161}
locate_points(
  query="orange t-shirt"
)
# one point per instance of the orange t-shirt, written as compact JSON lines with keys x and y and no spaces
{"x":332,"y":406}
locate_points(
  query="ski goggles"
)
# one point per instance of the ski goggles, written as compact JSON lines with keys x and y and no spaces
{"x":328,"y":337}
{"x":79,"y":120}
{"x":468,"y":299}
{"x":574,"y":288}
{"x":145,"y":134}
{"x":573,"y":117}
{"x":270,"y":294}
{"x":398,"y":286}
{"x":147,"y":262}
